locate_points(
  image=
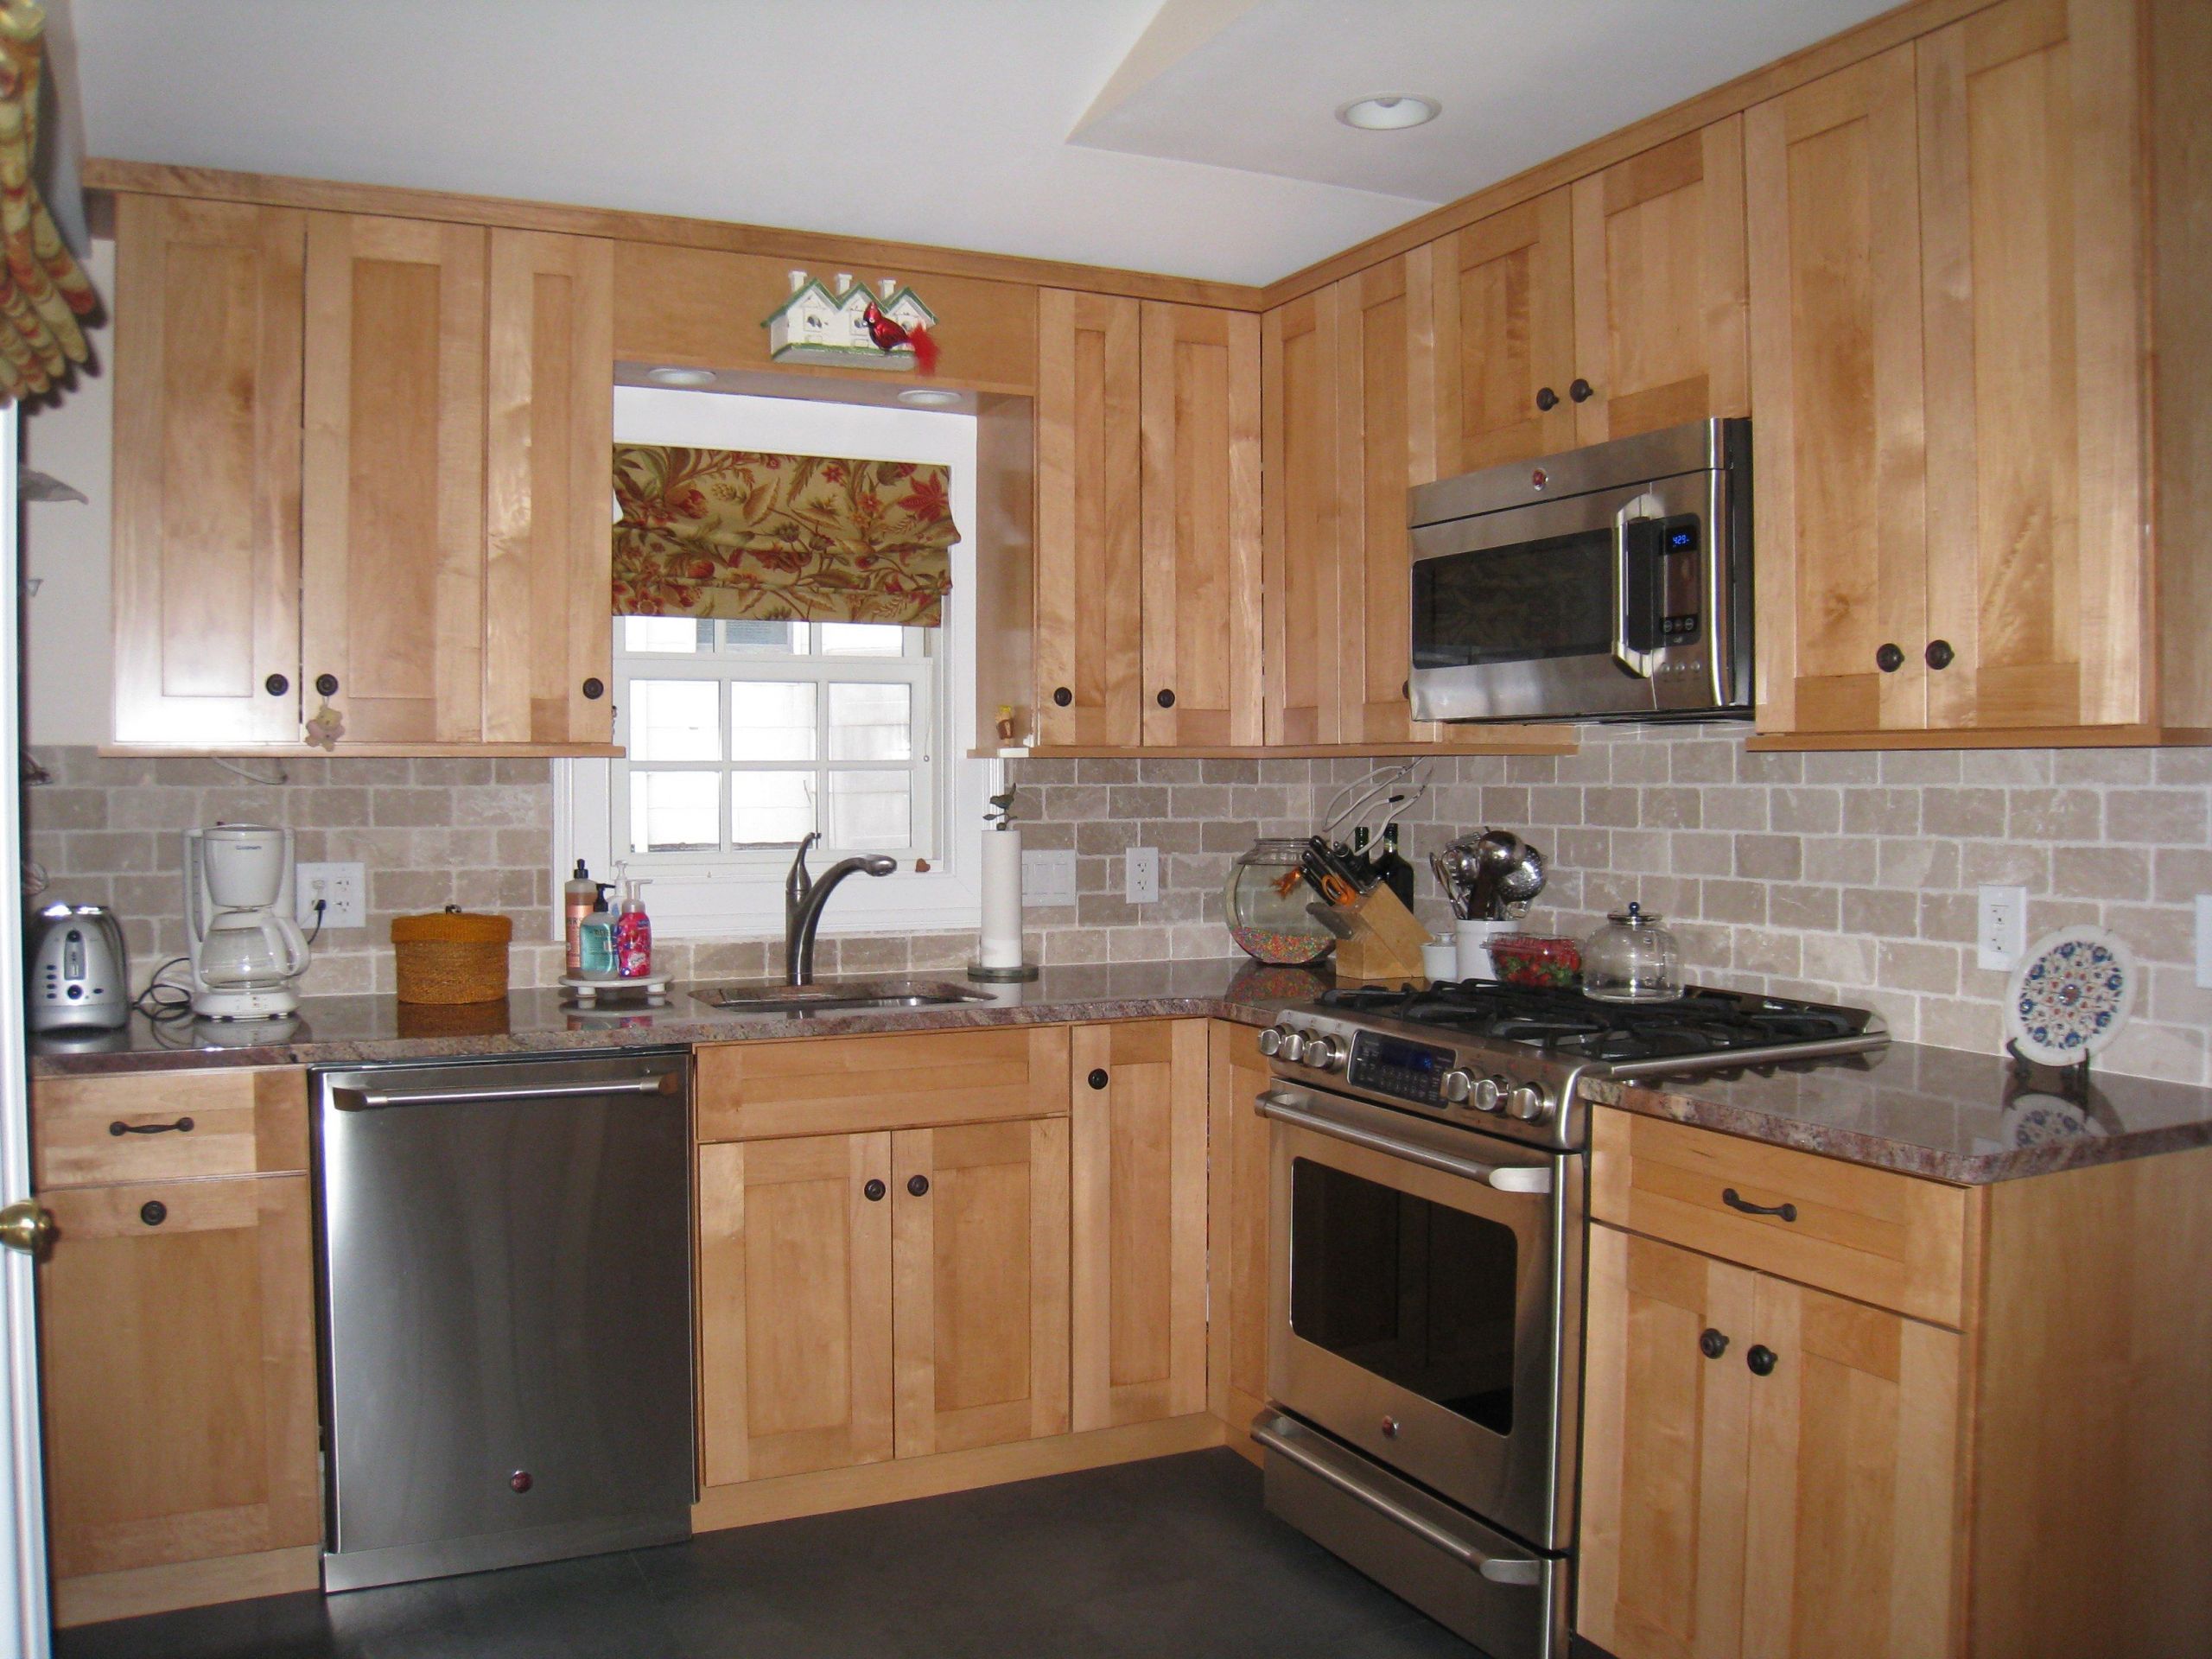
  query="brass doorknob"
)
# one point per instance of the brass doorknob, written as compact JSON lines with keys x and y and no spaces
{"x":27,"y":1226}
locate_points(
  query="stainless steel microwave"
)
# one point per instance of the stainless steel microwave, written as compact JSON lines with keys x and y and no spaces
{"x":1612,"y":582}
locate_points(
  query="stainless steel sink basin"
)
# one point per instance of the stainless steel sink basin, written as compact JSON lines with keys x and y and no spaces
{"x":838,"y":996}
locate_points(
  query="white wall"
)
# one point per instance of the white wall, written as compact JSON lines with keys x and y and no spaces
{"x":68,"y":651}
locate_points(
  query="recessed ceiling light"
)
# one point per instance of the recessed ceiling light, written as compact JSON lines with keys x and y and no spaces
{"x":928,"y":396}
{"x":1387,"y":111}
{"x":681,"y":376}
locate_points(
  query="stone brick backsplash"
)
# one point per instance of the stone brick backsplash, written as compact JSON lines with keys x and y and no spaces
{"x":1844,"y":877}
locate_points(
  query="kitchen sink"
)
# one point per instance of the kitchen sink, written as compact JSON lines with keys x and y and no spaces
{"x":838,"y":996}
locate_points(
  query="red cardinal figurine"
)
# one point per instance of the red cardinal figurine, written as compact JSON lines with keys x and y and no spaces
{"x":890,"y":336}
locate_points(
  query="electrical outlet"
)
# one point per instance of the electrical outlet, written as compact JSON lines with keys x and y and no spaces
{"x":2001,"y":932}
{"x":1141,"y":876}
{"x":2204,"y":939}
{"x":1048,"y":878}
{"x":339,"y":886}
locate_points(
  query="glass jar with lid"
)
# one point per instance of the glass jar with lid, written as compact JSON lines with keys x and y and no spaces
{"x":1631,"y":959}
{"x":1265,"y":904}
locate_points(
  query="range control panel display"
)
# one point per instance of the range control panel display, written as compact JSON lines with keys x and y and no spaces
{"x":1390,"y":1066}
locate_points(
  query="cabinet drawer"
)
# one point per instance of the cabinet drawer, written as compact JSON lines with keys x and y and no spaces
{"x":1896,"y":1241}
{"x":242,"y":1122}
{"x":901,"y":1080}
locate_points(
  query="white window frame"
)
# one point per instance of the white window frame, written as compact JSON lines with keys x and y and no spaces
{"x":744,"y":898}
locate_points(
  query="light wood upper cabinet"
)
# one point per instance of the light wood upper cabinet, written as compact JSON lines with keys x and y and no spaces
{"x":1505,"y":336}
{"x":177,"y":1352}
{"x":206,"y":545}
{"x":1200,"y":430}
{"x":1660,"y":295}
{"x":1297,"y":379}
{"x":1139,"y":1114}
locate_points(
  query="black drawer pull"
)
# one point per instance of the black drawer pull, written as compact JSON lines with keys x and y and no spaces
{"x":1888,"y":658}
{"x":1098,"y":1077}
{"x":1547,"y":399}
{"x":1712,"y":1344}
{"x":872,"y":1192}
{"x":1167,"y":698}
{"x":594,"y":689}
{"x":153,"y":1212}
{"x":1761,"y":1359}
{"x":182,"y":1126}
{"x":1939,"y":655}
{"x":1581,"y":391}
{"x":918,"y":1185}
{"x":277,"y":685}
{"x":1736,"y":1200}
{"x":1062,"y":697}
{"x":325,"y":685}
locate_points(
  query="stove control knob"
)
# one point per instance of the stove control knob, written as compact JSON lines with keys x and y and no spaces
{"x":1531,"y":1102}
{"x":1271,"y":1040}
{"x":1294,"y":1044}
{"x":1323,"y":1051}
{"x":1486,"y":1093}
{"x":1456,"y":1086}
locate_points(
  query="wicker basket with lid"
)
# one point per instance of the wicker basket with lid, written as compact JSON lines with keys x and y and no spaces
{"x":451,"y":955}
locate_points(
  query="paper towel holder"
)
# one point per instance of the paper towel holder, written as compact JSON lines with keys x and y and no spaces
{"x":1028,"y":970}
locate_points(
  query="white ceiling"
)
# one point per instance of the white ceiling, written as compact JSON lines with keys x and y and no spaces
{"x":1207,"y":148}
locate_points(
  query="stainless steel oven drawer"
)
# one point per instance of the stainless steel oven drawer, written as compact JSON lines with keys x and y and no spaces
{"x":1506,"y":1599}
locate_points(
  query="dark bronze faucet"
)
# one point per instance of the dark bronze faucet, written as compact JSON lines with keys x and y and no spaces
{"x":804,"y":898}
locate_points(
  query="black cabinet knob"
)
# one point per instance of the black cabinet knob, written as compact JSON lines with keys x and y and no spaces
{"x":872,"y":1192}
{"x":918,"y":1185}
{"x":1062,"y":697}
{"x":1547,"y":399}
{"x":277,"y":685}
{"x":1761,"y":1359}
{"x":1940,"y":654}
{"x":1167,"y":698}
{"x":325,"y":685}
{"x":1580,"y":390}
{"x":1098,"y":1077}
{"x":153,"y":1212}
{"x":1405,"y":688}
{"x":1712,"y":1344}
{"x":1888,"y":659}
{"x":594,"y":688}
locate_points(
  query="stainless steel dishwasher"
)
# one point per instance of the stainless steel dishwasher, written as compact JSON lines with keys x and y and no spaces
{"x":505,"y":1281}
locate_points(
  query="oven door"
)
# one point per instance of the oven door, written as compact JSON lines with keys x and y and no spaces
{"x":1424,"y":1302}
{"x":1553,"y":610}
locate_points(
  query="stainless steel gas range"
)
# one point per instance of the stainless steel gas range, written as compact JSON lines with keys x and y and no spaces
{"x":1426,"y":1214}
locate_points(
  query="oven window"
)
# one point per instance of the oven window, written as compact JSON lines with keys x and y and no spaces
{"x":1419,"y":1293}
{"x":1550,"y":598}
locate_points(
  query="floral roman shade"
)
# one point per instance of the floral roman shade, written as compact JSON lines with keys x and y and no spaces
{"x":741,"y":534}
{"x":42,"y":292}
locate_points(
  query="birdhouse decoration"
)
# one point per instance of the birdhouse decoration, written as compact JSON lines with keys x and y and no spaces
{"x":852,"y":327}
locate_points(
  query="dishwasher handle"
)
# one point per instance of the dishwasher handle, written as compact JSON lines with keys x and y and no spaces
{"x":364,"y":1100}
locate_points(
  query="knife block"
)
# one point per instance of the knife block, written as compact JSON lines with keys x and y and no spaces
{"x":1385,"y":942}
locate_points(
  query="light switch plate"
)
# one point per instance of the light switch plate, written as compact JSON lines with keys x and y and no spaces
{"x":1048,"y":878}
{"x":342,"y":886}
{"x":2204,"y":940}
{"x":1141,"y":876}
{"x":2001,"y":928}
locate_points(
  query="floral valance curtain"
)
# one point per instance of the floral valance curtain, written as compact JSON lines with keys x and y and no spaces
{"x":741,"y":534}
{"x":42,"y":293}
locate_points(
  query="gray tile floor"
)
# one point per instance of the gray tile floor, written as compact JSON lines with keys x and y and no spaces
{"x":1173,"y":1556}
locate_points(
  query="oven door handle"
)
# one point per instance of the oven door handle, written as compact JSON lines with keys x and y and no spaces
{"x":1498,"y":1569}
{"x":1294,"y":1109}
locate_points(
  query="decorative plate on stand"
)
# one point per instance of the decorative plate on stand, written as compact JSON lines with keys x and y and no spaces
{"x":2070,"y":995}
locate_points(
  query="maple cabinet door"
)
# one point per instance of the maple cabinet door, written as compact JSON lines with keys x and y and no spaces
{"x":1505,"y":337}
{"x":1302,"y":591}
{"x":392,"y":485}
{"x":548,"y":438}
{"x":2029,"y":204}
{"x":1237,"y":1173}
{"x":1201,"y":436}
{"x":794,"y":1306}
{"x":1852,"y":1514}
{"x":178,"y":1360}
{"x":1089,"y":639}
{"x":1660,"y":287}
{"x":980,"y":1213}
{"x":1140,"y":1226}
{"x":207,"y":547}
{"x":1665,"y":1433}
{"x":1833,"y":181}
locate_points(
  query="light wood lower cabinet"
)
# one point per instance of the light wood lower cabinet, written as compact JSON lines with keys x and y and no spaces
{"x":1237,"y":1198}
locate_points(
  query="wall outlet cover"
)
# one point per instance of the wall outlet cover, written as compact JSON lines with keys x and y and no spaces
{"x":2001,"y":928}
{"x":342,"y":887}
{"x":2204,"y":940}
{"x":1048,"y":878}
{"x":1141,"y":876}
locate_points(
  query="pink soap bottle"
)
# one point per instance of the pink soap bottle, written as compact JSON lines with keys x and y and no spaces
{"x":633,"y":933}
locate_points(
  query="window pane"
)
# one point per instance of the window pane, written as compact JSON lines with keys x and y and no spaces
{"x":675,"y":811}
{"x":870,"y":809}
{"x":871,"y":723}
{"x":674,"y":720}
{"x":770,"y":720}
{"x":862,"y":639}
{"x":770,"y":806}
{"x":666,"y":634}
{"x":749,"y":639}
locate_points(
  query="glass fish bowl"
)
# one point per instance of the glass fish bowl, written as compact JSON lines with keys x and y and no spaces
{"x":1265,"y":905}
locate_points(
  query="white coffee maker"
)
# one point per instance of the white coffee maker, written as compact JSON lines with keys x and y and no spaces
{"x":247,"y":952}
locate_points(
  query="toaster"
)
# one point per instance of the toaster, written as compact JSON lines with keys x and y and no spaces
{"x":80,"y":974}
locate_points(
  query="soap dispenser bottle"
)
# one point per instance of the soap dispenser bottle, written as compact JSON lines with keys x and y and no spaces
{"x":634,"y":933}
{"x":579,"y":898}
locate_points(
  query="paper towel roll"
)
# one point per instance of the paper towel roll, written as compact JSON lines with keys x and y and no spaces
{"x":1002,"y":941}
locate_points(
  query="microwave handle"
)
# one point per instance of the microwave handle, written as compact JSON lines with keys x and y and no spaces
{"x":1644,"y":510}
{"x":1302,"y":1112}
